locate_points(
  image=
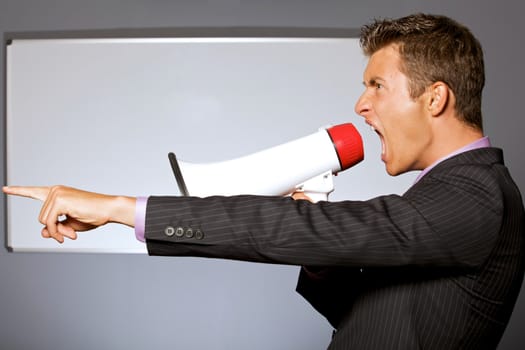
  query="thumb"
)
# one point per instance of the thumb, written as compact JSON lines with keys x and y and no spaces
{"x":301,"y":195}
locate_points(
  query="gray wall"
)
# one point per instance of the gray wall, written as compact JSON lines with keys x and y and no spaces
{"x":68,"y":301}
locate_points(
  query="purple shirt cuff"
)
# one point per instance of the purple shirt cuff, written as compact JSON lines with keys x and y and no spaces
{"x":140,"y":218}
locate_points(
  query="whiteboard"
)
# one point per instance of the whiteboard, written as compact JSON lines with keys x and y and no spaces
{"x":102,"y":115}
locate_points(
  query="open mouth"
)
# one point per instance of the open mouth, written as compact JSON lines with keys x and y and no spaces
{"x":381,"y":138}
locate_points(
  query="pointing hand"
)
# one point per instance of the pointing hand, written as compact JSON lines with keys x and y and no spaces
{"x":67,"y":210}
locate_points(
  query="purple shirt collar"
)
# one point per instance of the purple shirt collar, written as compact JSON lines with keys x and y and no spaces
{"x":480,"y":143}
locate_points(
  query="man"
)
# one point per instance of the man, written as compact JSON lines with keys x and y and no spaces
{"x":437,"y":268}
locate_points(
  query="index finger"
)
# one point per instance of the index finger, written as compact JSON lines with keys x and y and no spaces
{"x":34,"y":192}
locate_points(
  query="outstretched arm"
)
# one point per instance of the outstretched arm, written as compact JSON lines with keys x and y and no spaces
{"x":82,"y":210}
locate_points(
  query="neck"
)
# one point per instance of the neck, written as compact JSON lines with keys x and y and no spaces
{"x":448,"y":139}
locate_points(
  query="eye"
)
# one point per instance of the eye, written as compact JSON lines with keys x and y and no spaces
{"x":378,"y":86}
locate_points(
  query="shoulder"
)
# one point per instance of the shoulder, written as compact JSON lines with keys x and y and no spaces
{"x":473,"y":177}
{"x":478,"y":160}
{"x":479,"y":167}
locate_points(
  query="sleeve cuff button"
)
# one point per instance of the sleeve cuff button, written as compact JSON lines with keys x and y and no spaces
{"x":169,"y":231}
{"x":199,"y":234}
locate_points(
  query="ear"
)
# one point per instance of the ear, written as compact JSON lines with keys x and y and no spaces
{"x":439,"y":98}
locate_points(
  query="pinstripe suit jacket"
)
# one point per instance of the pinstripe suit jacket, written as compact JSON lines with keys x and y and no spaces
{"x":437,"y":268}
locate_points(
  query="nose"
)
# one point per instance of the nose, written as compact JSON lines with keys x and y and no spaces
{"x":362,"y":106}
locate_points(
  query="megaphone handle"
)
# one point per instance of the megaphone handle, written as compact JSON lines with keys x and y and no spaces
{"x":178,"y":174}
{"x":319,"y":187}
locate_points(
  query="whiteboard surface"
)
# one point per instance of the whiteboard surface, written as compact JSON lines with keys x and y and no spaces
{"x":102,"y":115}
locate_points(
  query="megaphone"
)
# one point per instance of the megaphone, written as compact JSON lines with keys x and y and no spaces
{"x":306,"y":164}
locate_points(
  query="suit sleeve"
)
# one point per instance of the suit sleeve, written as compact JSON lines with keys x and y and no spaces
{"x":446,"y":220}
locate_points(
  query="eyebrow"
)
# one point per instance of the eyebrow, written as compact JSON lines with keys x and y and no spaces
{"x":373,"y":81}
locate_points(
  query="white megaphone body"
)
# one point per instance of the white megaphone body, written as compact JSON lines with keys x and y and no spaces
{"x":306,"y":164}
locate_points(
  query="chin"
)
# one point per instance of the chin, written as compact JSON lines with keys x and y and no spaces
{"x":393,"y":171}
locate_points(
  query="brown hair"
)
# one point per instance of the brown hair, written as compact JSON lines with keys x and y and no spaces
{"x":434,"y":48}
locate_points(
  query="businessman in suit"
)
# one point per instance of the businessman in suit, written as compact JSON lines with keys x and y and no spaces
{"x":439,"y":267}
